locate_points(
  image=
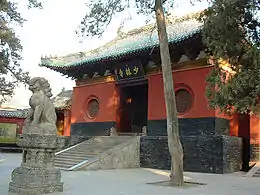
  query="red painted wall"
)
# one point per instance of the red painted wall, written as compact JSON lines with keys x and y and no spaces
{"x":108,"y":97}
{"x":255,"y":130}
{"x":194,"y":79}
{"x":233,"y":124}
{"x":108,"y":100}
{"x":18,"y":121}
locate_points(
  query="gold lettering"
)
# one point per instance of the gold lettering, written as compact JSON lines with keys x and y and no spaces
{"x":136,"y":69}
{"x":121,"y":73}
{"x":128,"y":71}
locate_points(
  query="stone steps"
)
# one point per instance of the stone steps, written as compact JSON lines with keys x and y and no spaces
{"x":83,"y":149}
{"x":62,"y":166}
{"x":64,"y":157}
{"x":69,"y":160}
{"x":87,"y":150}
{"x":256,"y":175}
{"x":254,"y":171}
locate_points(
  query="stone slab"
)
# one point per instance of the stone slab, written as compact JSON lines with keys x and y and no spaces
{"x":40,"y":141}
{"x":34,"y":181}
{"x":37,"y":174}
{"x":30,"y":177}
{"x":124,"y":155}
{"x":44,"y":189}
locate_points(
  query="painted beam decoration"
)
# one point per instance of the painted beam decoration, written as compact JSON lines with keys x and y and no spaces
{"x":8,"y":133}
{"x":129,"y":70}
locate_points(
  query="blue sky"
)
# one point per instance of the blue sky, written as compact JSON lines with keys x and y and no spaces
{"x":51,"y":31}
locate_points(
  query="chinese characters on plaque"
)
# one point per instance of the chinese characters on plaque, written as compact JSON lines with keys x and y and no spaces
{"x":130,"y":70}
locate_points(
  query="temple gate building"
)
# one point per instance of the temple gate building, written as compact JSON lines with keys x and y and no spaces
{"x":120,"y":85}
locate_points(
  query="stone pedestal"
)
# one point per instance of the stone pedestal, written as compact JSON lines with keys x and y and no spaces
{"x":37,"y":174}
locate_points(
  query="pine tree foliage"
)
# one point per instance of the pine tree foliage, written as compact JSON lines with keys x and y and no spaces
{"x":10,"y":47}
{"x":231,"y":33}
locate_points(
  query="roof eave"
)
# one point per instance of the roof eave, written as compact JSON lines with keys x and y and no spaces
{"x":86,"y":62}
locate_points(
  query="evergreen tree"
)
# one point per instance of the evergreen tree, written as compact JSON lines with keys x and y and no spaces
{"x":10,"y":47}
{"x":231,"y":33}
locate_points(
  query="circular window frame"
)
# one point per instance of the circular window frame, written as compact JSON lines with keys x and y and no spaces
{"x":182,"y":86}
{"x":91,"y":98}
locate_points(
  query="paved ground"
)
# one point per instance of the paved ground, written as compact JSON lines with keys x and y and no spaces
{"x":134,"y":182}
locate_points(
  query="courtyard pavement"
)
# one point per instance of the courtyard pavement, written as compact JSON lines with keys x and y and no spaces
{"x":135,"y":182}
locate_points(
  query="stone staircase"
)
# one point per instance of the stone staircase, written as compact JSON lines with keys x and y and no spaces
{"x":84,"y":152}
{"x":257,"y":173}
{"x":130,"y":134}
{"x":254,"y":171}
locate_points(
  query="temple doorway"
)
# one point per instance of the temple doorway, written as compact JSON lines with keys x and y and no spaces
{"x":60,"y":122}
{"x":133,"y":108}
{"x":244,"y":133}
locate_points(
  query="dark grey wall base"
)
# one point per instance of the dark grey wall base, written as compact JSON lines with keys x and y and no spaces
{"x":191,"y":126}
{"x":154,"y":152}
{"x":91,"y":129}
{"x":208,"y":154}
{"x":188,"y":127}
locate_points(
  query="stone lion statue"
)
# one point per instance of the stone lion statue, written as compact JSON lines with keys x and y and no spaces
{"x":42,"y":117}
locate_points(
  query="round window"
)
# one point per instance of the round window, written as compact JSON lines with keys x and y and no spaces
{"x":184,"y":101}
{"x":92,"y":108}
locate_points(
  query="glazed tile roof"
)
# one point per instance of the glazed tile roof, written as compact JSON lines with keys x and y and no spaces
{"x":19,"y":113}
{"x":63,"y":99}
{"x":131,"y":43}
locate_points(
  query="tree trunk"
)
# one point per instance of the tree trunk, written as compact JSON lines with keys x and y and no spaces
{"x":174,"y":144}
